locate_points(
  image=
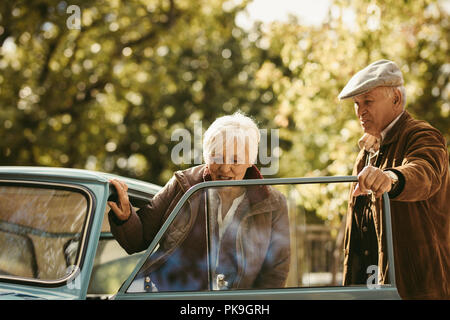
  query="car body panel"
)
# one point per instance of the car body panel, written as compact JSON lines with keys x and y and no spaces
{"x":80,"y":176}
{"x":318,"y":293}
{"x":97,"y":184}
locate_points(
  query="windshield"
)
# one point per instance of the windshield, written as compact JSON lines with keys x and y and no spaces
{"x":41,"y":230}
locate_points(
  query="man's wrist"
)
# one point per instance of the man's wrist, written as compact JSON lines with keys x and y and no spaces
{"x":394,"y":178}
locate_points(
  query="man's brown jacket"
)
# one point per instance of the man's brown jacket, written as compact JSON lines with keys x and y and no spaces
{"x":420,"y":210}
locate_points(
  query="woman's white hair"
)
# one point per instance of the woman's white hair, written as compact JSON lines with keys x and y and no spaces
{"x":234,"y":130}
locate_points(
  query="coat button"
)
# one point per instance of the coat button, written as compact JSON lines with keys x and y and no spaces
{"x":364,"y":229}
{"x":366,"y":252}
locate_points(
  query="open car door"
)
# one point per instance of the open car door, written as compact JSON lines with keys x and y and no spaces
{"x":283,"y":241}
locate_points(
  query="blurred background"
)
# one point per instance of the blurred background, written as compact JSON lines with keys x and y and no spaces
{"x":103,"y":84}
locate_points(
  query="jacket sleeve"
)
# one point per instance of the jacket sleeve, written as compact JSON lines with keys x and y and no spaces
{"x":136,"y":233}
{"x":275,"y":268}
{"x":423,"y":167}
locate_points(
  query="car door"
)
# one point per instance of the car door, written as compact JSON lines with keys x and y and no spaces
{"x":112,"y":264}
{"x":283,"y":240}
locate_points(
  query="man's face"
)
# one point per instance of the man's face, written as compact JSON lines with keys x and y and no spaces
{"x":375,"y":110}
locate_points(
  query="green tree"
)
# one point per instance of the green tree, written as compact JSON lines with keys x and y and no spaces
{"x":308,"y":66}
{"x":108,"y":96}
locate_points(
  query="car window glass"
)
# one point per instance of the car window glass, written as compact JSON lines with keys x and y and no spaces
{"x":19,"y":259}
{"x":112,"y":264}
{"x":251,"y":237}
{"x":40,"y":231}
{"x":180,"y":260}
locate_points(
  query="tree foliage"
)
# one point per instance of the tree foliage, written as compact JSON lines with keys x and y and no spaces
{"x":108,"y":96}
{"x":309,"y":66}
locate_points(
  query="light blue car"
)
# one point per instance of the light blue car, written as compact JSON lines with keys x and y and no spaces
{"x":56,"y":243}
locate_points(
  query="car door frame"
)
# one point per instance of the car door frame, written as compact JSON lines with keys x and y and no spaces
{"x":135,"y":193}
{"x":387,"y":291}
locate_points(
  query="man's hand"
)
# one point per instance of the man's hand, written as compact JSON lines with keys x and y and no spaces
{"x":122,"y":209}
{"x":373,"y":179}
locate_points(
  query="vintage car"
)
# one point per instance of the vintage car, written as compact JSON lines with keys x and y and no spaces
{"x":56,"y":243}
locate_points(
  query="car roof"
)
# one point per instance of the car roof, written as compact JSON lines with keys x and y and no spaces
{"x":72,"y":174}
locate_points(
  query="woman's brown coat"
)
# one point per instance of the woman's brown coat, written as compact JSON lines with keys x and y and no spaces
{"x":259,"y":244}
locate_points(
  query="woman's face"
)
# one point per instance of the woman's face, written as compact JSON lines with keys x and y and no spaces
{"x":227,"y":165}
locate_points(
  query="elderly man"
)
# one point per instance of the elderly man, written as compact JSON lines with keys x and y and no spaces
{"x":408,"y":159}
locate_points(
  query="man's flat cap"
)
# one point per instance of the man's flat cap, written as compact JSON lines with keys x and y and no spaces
{"x":379,"y":73}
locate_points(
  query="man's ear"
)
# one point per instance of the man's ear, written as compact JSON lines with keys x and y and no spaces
{"x":397,"y":98}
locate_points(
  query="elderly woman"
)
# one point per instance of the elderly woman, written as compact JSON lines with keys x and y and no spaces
{"x":236,"y":237}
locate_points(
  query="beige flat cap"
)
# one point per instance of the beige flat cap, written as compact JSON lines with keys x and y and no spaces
{"x":379,"y":73}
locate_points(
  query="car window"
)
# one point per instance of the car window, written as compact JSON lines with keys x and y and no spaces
{"x":268,"y":236}
{"x":41,"y":230}
{"x":112,"y":264}
{"x":179,"y":270}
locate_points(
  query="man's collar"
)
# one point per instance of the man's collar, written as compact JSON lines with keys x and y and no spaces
{"x":371,"y":143}
{"x":389,"y":127}
{"x":392,"y":135}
